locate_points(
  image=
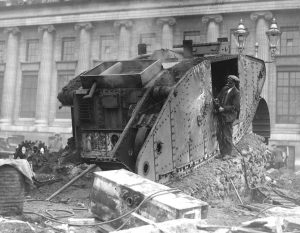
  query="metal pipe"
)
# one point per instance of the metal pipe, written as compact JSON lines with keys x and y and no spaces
{"x":72,"y":181}
{"x":91,"y":92}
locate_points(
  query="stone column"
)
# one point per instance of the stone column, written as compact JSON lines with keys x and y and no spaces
{"x":124,"y":38}
{"x":45,"y":75}
{"x":10,"y":75}
{"x":167,"y":32}
{"x":262,"y":25}
{"x":84,"y":46}
{"x":213,"y":27}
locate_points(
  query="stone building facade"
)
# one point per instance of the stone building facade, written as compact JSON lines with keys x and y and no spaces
{"x":45,"y":43}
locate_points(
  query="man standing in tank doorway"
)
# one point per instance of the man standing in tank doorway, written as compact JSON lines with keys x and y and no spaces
{"x":227,"y":106}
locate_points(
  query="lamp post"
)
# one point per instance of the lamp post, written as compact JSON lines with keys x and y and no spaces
{"x":273,"y":35}
{"x":241,"y":34}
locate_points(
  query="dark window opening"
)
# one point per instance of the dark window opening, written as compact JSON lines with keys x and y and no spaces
{"x":219,"y":72}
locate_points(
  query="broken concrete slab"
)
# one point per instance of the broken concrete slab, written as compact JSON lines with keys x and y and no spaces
{"x":118,"y":192}
{"x":8,"y":226}
{"x":291,"y":223}
{"x":178,"y":226}
{"x":284,"y":212}
{"x":272,"y":223}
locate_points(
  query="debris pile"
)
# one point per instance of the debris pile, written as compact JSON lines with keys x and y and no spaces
{"x":217,"y":178}
{"x":45,"y":161}
{"x":276,"y":219}
{"x":8,"y":226}
{"x":282,"y":188}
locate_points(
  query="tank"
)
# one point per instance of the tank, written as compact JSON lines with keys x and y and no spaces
{"x":154,"y":115}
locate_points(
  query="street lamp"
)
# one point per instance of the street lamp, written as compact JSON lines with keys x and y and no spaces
{"x":273,"y":35}
{"x":241,"y":34}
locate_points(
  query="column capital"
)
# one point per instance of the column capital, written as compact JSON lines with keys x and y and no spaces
{"x":125,"y":23}
{"x":261,"y":14}
{"x":12,"y":30}
{"x":48,"y":28}
{"x":86,"y":26}
{"x":167,"y":20}
{"x":216,"y":18}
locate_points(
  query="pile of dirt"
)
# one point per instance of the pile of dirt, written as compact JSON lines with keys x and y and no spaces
{"x":215,"y":179}
{"x":285,"y":179}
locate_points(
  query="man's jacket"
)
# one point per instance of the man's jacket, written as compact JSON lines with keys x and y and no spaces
{"x":229,"y":99}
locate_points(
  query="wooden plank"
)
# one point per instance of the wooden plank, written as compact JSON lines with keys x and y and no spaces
{"x":91,"y":167}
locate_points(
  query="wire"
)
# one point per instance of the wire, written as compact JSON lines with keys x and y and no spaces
{"x":69,"y":213}
{"x":161,"y":192}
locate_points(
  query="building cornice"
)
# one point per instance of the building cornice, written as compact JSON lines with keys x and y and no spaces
{"x":92,"y":12}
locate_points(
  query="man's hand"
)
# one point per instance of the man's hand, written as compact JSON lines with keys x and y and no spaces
{"x":221,"y":109}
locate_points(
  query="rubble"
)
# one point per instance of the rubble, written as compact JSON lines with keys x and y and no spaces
{"x":178,"y":225}
{"x":291,"y":223}
{"x":215,"y":180}
{"x":284,"y":212}
{"x":55,"y":143}
{"x":246,"y":169}
{"x":278,"y":220}
{"x":120,"y":193}
{"x":9,"y":226}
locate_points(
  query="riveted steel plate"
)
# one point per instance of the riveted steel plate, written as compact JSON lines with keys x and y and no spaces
{"x":188,"y":109}
{"x":252,"y":76}
{"x":162,"y":144}
{"x":185,"y":126}
{"x":145,"y":162}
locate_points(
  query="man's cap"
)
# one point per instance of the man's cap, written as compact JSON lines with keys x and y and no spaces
{"x":233,"y":77}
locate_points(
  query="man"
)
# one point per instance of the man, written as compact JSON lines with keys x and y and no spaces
{"x":228,"y":109}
